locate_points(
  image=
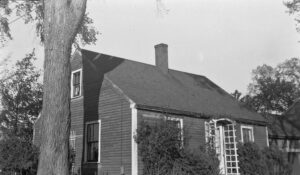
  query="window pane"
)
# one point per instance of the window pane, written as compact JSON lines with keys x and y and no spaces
{"x":246,"y":134}
{"x":96,"y":132}
{"x":76,"y":78}
{"x":76,"y":84}
{"x":90,"y":132}
{"x":92,"y":142}
{"x":92,"y":153}
{"x":76,"y":90}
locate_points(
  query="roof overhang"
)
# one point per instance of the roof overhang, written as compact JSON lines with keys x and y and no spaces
{"x":197,"y":115}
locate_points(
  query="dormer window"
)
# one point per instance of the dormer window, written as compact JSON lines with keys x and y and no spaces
{"x":76,"y":83}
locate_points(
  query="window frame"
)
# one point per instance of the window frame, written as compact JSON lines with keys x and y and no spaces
{"x":252,"y":132}
{"x":180,"y":120}
{"x":86,"y":141}
{"x":80,"y":86}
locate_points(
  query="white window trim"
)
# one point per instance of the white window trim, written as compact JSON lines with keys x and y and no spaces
{"x":99,"y":140}
{"x":72,"y":89}
{"x":252,"y":132}
{"x":267,"y":135}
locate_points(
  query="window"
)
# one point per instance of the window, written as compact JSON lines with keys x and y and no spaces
{"x":177,"y":122}
{"x":76,"y":83}
{"x":247,"y":134}
{"x":93,"y":142}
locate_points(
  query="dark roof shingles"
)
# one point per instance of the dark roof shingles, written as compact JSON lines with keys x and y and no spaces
{"x":146,"y":85}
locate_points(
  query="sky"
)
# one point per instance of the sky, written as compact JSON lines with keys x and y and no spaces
{"x":223,"y":40}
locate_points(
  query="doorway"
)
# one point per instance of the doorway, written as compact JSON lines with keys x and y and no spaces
{"x":221,"y":132}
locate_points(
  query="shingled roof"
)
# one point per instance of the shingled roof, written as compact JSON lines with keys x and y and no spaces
{"x":148,"y":86}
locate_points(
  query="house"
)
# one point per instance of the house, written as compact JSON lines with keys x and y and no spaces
{"x":110,"y":96}
{"x":284,"y":132}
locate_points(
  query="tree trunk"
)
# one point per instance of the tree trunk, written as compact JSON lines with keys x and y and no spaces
{"x":61,"y":21}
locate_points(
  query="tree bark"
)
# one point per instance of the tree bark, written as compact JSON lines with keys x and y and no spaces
{"x":61,"y":21}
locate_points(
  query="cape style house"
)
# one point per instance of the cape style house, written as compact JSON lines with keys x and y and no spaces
{"x":110,"y":96}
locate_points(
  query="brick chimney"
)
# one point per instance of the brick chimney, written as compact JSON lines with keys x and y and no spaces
{"x":161,"y":57}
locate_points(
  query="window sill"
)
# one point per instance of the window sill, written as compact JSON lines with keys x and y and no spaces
{"x":76,"y":98}
{"x":92,"y":163}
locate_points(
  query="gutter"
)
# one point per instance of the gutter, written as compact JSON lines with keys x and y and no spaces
{"x":196,"y":115}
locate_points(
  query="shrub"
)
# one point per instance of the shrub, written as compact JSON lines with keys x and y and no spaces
{"x":251,"y":160}
{"x":277,"y":162}
{"x":269,"y":161}
{"x":18,"y":155}
{"x":163,"y":153}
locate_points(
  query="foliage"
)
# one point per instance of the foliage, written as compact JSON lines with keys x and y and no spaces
{"x":18,"y":155}
{"x":274,"y":89}
{"x":251,"y":161}
{"x":276,"y":161}
{"x":294,"y":9}
{"x":32,"y":11}
{"x":21,"y":99}
{"x":236,"y":94}
{"x":163,"y":153}
{"x":269,"y":161}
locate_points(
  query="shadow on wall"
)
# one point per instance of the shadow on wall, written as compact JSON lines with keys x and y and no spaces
{"x":95,"y":66}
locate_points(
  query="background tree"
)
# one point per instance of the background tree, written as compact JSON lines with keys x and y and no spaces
{"x":294,"y":9}
{"x":32,"y":11}
{"x":274,"y":89}
{"x":21,"y":101}
{"x":57,"y":23}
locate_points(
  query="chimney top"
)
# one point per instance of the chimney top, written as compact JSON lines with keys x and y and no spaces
{"x":161,"y":57}
{"x":160,"y":45}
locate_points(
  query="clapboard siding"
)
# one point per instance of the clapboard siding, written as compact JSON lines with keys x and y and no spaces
{"x":115,"y":115}
{"x":194,"y":132}
{"x":103,"y":102}
{"x":260,"y":136}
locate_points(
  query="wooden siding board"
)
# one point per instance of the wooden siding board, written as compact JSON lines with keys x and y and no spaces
{"x":260,"y":136}
{"x":115,"y":114}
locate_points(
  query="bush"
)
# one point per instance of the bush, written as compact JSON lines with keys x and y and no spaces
{"x":269,"y":161}
{"x":276,"y":161}
{"x":18,"y":155}
{"x":251,"y":160}
{"x":163,"y":153}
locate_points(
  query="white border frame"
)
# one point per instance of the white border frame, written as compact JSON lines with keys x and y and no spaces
{"x":252,"y":132}
{"x":267,"y":135}
{"x":99,"y":140}
{"x":72,"y":89}
{"x":134,"y":145}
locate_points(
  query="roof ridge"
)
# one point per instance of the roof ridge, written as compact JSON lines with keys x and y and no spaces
{"x":138,"y":62}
